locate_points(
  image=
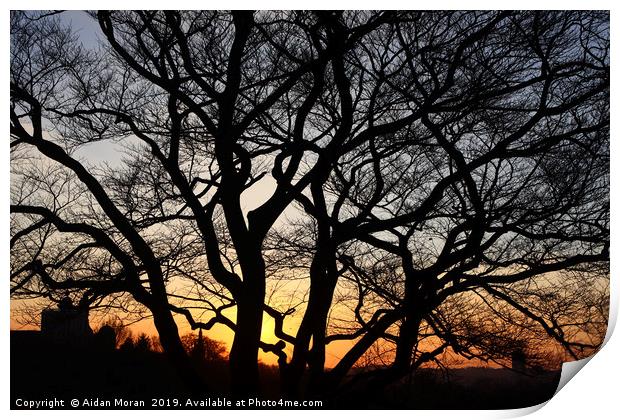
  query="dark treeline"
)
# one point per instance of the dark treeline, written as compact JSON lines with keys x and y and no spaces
{"x":96,"y":371}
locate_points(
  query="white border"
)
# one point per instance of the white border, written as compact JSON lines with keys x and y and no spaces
{"x":593,"y":394}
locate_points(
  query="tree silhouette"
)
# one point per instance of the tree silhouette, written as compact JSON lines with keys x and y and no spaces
{"x":202,"y":348}
{"x":420,"y":167}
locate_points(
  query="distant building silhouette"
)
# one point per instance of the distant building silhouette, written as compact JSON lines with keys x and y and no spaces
{"x":67,"y":324}
{"x":198,"y":350}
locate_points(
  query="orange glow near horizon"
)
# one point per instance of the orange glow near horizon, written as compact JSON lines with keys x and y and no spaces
{"x":221,"y":333}
{"x":334,"y":352}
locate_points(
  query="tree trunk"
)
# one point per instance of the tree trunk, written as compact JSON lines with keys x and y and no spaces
{"x":313,"y":326}
{"x":294,"y":371}
{"x":323,"y":279}
{"x":173,"y":348}
{"x":407,"y":339}
{"x":340,"y":371}
{"x":244,"y":352}
{"x":168,"y":330}
{"x":316,"y":358}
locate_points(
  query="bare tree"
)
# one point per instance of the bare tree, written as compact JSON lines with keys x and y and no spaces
{"x":426,"y":156}
{"x":494,"y":177}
